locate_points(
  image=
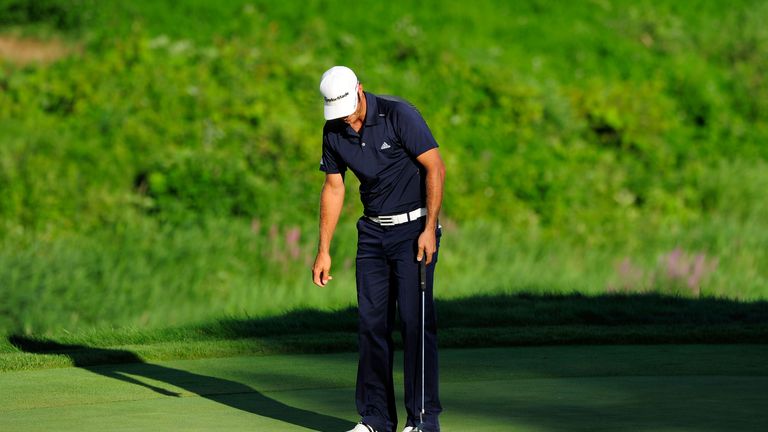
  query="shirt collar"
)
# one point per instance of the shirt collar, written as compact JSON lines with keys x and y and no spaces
{"x":372,"y":109}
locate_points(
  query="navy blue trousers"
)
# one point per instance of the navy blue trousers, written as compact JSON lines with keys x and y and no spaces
{"x":388,"y":283}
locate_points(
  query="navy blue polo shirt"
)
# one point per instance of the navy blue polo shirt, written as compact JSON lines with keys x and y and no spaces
{"x":382,"y":156}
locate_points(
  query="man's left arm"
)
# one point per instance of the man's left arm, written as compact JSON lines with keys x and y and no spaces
{"x":435,"y":168}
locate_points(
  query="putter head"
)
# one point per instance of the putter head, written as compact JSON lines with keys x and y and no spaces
{"x":419,"y":428}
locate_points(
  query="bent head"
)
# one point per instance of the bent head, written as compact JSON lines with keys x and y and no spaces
{"x":357,"y":115}
{"x":342,"y":94}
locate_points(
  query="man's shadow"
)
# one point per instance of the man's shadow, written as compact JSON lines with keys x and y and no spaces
{"x":236,"y":395}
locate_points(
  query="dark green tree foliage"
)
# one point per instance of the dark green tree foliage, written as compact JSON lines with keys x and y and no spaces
{"x":61,"y":14}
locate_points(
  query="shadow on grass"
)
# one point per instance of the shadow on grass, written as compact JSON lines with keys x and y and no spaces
{"x":230,"y":393}
{"x":526,"y":319}
{"x":526,"y":309}
{"x":471,"y":322}
{"x":620,"y":388}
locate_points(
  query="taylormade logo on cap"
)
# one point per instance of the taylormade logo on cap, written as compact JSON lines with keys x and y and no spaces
{"x":336,"y":85}
{"x":337,"y":98}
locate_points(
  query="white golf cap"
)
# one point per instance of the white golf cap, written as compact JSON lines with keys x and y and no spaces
{"x":339,"y":88}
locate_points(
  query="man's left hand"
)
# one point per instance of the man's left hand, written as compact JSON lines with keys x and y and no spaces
{"x":427,"y":245}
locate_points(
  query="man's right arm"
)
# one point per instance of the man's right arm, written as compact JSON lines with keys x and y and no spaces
{"x":331,"y":202}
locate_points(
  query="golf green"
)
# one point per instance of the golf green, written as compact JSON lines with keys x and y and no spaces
{"x":568,"y":388}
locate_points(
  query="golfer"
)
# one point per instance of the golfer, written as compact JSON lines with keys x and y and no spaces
{"x":386,"y":143}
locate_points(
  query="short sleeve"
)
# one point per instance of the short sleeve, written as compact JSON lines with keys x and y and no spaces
{"x":331,"y":163}
{"x":413,"y":131}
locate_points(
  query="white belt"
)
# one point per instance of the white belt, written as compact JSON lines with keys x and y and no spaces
{"x":398,"y":219}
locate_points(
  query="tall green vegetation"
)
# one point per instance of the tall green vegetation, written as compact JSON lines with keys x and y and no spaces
{"x":168,"y":173}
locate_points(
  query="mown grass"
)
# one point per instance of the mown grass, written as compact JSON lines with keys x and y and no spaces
{"x":480,"y":321}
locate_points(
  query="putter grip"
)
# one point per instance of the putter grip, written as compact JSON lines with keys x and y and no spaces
{"x":422,"y":275}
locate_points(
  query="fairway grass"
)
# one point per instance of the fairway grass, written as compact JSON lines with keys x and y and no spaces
{"x":583,"y":388}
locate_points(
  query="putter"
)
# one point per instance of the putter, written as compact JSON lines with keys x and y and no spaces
{"x":423,"y":288}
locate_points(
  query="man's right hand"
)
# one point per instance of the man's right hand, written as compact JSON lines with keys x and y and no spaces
{"x":322,"y":269}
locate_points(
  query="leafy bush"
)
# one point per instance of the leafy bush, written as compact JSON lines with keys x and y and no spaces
{"x":595,"y":129}
{"x":229,"y":126}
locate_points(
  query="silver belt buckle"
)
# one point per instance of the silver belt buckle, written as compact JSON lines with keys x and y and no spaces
{"x":386,"y":220}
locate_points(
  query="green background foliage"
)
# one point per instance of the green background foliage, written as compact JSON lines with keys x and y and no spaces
{"x":167,"y":172}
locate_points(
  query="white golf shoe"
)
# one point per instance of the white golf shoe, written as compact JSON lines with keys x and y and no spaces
{"x":409,"y":429}
{"x":362,"y":427}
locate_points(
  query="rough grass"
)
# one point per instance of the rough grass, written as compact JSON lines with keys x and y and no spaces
{"x":143,"y":276}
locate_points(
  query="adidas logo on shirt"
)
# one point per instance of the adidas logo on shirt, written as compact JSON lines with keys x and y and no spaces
{"x":385,"y":146}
